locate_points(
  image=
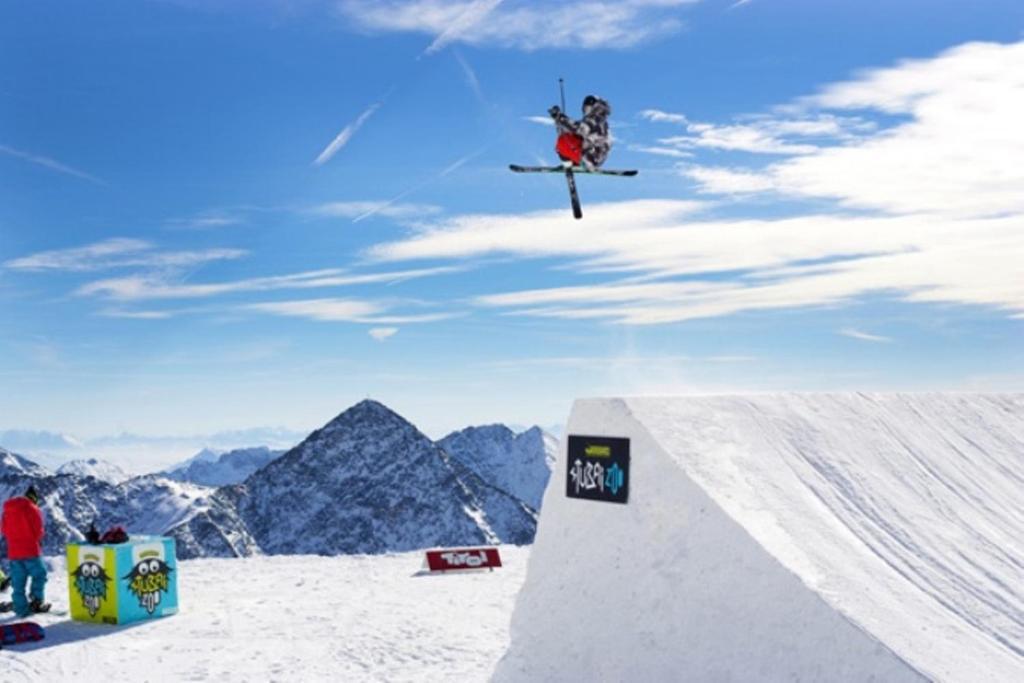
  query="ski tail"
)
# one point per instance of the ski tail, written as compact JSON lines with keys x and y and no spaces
{"x":574,"y":197}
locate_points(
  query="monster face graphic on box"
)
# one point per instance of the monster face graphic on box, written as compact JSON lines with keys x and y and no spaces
{"x":123,"y":582}
{"x":90,"y":579}
{"x":149,"y":578}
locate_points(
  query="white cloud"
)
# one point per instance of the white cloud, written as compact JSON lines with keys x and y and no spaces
{"x":344,"y":310}
{"x":762,"y":134}
{"x":658,"y":116}
{"x":161,"y":286}
{"x":717,"y":180}
{"x":118,"y":253}
{"x":661,"y":151}
{"x":864,"y":336}
{"x":205,"y":220}
{"x":542,"y":120}
{"x":49,"y":163}
{"x":136,"y":315}
{"x":345,"y":135}
{"x":390,"y":209}
{"x":382,"y":333}
{"x":521,"y":24}
{"x":466,"y":21}
{"x":328,"y":310}
{"x":957,"y":151}
{"x":942,"y":186}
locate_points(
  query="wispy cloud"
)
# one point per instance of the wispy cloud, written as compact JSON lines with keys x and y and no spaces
{"x":471,"y":78}
{"x":952,"y":153}
{"x":661,"y":151}
{"x":864,"y":336}
{"x":447,"y":170}
{"x":205,"y":221}
{"x":346,"y":310}
{"x":938,"y":197}
{"x":345,"y":135}
{"x":611,"y":362}
{"x":388,"y":208}
{"x":658,"y":116}
{"x":117,"y":253}
{"x":521,"y":24}
{"x":467,"y":20}
{"x":542,"y":120}
{"x":382,"y":333}
{"x":327,"y":310}
{"x":49,"y":163}
{"x":161,"y":286}
{"x":762,"y":134}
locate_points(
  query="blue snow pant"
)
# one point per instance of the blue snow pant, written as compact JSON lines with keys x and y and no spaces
{"x":21,"y":570}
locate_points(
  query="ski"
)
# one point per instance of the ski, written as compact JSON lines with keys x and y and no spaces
{"x":575,"y":169}
{"x":577,"y":211}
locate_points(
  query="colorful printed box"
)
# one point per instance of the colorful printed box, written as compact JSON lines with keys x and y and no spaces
{"x":123,"y":582}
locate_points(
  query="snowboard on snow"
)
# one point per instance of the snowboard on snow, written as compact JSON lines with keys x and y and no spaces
{"x":21,"y":632}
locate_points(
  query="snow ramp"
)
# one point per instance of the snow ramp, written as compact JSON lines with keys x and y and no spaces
{"x":785,"y":537}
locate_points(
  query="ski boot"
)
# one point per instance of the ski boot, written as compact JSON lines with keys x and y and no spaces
{"x":38,"y":606}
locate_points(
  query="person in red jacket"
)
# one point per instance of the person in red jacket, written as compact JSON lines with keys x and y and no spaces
{"x":23,"y":528}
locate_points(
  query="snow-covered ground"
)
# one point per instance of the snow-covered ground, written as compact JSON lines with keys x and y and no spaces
{"x":291,"y":618}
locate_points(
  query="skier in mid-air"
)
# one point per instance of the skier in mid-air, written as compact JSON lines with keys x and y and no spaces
{"x":582,"y":146}
{"x":585,"y":142}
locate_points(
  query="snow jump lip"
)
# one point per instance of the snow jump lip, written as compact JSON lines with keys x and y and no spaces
{"x":835,"y":536}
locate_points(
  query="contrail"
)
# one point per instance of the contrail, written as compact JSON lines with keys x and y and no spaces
{"x":473,"y":15}
{"x":345,"y":135}
{"x":50,"y":164}
{"x":442,"y":173}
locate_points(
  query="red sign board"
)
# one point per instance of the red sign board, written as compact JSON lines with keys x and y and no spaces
{"x":452,"y":559}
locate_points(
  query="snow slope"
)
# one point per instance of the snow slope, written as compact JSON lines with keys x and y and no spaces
{"x":92,"y":467}
{"x":786,"y":536}
{"x":209,"y":468}
{"x":517,"y":463}
{"x":290,"y":618}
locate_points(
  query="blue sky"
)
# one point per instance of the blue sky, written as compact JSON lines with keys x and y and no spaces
{"x":829,"y":199}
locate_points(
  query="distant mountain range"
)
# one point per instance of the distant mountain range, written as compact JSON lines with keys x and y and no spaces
{"x":367,"y":482}
{"x":216,"y":468}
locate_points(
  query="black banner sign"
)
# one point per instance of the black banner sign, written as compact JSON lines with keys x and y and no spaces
{"x":598,"y":468}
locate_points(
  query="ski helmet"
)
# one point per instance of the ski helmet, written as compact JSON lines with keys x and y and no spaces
{"x":589,"y":101}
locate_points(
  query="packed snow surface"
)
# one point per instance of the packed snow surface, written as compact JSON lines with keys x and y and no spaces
{"x":789,"y":536}
{"x":290,"y":618}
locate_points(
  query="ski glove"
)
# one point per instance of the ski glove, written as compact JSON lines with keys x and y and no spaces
{"x":554,"y":112}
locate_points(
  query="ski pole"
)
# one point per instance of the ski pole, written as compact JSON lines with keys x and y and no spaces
{"x":561,"y":89}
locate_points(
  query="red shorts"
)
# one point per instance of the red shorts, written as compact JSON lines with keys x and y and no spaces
{"x":570,"y":147}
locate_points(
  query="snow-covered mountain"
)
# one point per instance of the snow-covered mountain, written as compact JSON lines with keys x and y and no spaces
{"x":92,"y":467}
{"x":517,"y":463}
{"x":370,"y":482}
{"x":367,"y":482}
{"x":71,"y":501}
{"x":214,"y":468}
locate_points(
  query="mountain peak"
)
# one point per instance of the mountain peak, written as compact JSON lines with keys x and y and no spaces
{"x":367,"y":412}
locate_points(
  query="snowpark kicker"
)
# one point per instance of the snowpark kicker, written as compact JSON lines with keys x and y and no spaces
{"x":785,"y":537}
